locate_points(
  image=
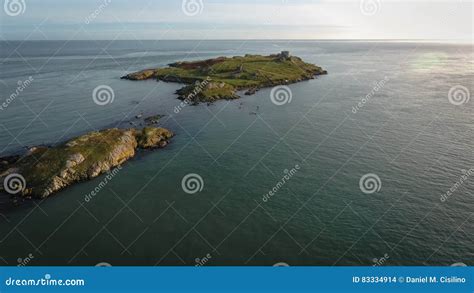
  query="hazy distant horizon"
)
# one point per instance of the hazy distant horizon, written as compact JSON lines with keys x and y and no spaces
{"x":237,"y":20}
{"x":456,"y":41}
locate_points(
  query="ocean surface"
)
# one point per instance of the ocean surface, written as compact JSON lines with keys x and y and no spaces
{"x":384,"y":109}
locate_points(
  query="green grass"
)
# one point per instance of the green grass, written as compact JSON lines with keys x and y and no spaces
{"x":238,"y":73}
{"x":45,"y":163}
{"x":48,"y":169}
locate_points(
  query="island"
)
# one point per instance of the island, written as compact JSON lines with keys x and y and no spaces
{"x":220,"y":78}
{"x":44,"y":170}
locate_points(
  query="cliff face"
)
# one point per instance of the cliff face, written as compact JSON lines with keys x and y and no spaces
{"x":47,"y":170}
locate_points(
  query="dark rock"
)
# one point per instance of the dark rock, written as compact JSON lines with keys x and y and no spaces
{"x":251,"y":91}
{"x":153,"y":119}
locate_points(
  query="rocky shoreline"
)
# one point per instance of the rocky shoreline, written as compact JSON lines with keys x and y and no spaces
{"x":45,"y":170}
{"x":220,"y":78}
{"x":42,"y":170}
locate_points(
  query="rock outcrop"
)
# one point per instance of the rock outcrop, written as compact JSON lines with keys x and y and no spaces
{"x":141,"y":75}
{"x":46,"y":170}
{"x":152,"y":137}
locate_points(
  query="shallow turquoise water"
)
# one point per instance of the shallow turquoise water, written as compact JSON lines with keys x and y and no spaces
{"x":408,"y":133}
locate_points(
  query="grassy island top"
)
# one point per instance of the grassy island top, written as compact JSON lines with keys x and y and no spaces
{"x":220,"y":78}
{"x":46,"y":170}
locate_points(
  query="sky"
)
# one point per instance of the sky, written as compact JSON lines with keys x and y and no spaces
{"x":240,"y":19}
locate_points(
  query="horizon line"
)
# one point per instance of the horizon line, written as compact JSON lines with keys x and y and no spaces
{"x":250,"y":39}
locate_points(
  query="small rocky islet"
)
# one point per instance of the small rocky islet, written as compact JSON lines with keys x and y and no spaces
{"x":221,"y":78}
{"x":49,"y":169}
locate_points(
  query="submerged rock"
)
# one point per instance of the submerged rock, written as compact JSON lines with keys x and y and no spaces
{"x":251,"y":91}
{"x":46,"y":170}
{"x":153,"y":119}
